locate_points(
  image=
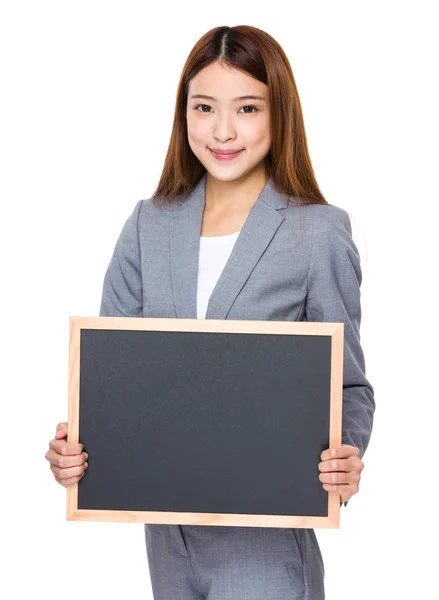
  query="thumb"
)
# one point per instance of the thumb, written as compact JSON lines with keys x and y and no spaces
{"x":61,"y":431}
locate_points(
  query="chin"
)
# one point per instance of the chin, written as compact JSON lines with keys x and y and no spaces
{"x":224,"y":175}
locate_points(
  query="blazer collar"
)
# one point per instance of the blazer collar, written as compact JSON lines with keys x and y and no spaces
{"x":261,"y":225}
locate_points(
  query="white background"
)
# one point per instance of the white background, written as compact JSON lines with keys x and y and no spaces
{"x":87,"y":100}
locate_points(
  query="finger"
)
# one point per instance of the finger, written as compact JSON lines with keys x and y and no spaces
{"x":344,"y":491}
{"x":353,"y":464}
{"x":62,"y":447}
{"x":61,"y":430}
{"x":67,"y":482}
{"x":66,"y":461}
{"x":339,"y":478}
{"x":343,"y":451}
{"x":336,"y":464}
{"x":67,"y":473}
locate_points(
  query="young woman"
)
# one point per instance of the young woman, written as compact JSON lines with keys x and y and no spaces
{"x":238,"y":229}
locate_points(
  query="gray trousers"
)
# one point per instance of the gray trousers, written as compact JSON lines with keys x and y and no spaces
{"x":197,"y":562}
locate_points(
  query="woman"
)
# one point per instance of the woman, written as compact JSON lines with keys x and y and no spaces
{"x":238,"y":229}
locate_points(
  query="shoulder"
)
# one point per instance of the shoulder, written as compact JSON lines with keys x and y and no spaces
{"x":332,"y":244}
{"x":313,"y":222}
{"x":148,"y":213}
{"x":325,"y":217}
{"x":146,"y":217}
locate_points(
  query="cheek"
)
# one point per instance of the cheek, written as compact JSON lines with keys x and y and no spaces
{"x":196,"y":130}
{"x":258,"y":134}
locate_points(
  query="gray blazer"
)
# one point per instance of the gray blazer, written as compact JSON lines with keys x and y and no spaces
{"x":290,"y":262}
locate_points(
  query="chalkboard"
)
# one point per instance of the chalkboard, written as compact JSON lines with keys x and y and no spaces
{"x":204,"y":422}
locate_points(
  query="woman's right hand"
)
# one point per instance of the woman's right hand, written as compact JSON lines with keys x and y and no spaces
{"x":67,"y":461}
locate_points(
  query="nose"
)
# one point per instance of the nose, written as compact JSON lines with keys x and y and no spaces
{"x":224,"y":129}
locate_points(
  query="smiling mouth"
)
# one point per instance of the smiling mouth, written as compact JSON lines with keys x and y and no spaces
{"x":226,"y":155}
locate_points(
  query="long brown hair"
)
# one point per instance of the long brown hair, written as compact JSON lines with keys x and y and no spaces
{"x":256,"y":53}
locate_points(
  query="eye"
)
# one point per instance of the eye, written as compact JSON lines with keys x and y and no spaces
{"x":202,"y":106}
{"x":254,"y":107}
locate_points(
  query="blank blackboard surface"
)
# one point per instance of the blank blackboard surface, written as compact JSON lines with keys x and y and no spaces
{"x":202,"y":422}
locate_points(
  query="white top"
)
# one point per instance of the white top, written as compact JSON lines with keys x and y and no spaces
{"x":214,"y":253}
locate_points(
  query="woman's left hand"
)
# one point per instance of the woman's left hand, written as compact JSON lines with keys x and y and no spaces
{"x":340,"y":471}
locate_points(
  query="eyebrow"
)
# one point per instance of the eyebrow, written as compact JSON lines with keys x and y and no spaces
{"x":239,"y":98}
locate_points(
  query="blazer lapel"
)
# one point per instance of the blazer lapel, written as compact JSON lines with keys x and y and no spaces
{"x":261,"y":225}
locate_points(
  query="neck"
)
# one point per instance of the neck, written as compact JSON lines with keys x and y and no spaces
{"x":237,"y":194}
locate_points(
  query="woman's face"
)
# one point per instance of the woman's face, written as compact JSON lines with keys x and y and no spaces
{"x":220,"y":118}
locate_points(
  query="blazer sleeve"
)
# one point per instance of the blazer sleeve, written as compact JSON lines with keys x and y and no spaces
{"x":334,"y":281}
{"x":122,"y":293}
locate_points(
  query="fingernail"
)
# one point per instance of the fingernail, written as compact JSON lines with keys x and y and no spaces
{"x":86,"y":456}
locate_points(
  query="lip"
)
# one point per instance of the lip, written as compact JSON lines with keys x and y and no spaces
{"x":225,"y":154}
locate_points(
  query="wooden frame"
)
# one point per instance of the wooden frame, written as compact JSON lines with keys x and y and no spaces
{"x":334,"y":330}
